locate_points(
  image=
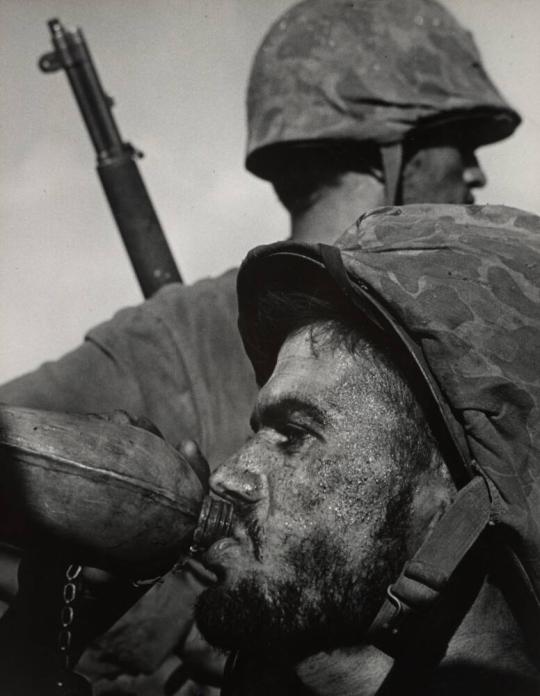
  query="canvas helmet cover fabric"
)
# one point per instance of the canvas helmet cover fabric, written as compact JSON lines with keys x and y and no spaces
{"x":366,"y":71}
{"x":463,"y":283}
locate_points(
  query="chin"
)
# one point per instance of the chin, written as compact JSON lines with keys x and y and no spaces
{"x":326,"y":605}
{"x":245,"y":615}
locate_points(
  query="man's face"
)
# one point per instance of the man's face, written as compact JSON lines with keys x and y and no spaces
{"x":322,"y":507}
{"x":441,"y":170}
{"x":325,"y":194}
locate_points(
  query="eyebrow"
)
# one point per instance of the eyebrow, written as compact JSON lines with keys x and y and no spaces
{"x":275,"y":411}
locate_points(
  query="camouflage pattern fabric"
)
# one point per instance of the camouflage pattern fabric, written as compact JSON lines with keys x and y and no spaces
{"x":464,"y":284}
{"x":368,"y":70}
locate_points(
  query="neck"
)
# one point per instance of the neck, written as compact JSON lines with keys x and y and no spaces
{"x":486,"y":656}
{"x":335,"y":207}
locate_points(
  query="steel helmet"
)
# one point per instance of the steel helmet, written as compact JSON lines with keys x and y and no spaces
{"x":456,"y":292}
{"x":367,"y":71}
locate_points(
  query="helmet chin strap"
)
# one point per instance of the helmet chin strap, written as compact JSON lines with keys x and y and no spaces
{"x":436,"y":588}
{"x":392,"y":161}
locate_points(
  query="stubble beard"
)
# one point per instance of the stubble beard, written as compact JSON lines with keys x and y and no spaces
{"x":330,"y":603}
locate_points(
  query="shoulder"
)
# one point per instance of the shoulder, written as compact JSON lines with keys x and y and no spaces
{"x":208,"y":296}
{"x":175,"y":310}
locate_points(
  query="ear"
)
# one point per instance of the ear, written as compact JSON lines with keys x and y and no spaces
{"x":432,"y":495}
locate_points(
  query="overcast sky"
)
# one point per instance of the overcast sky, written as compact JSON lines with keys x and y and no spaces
{"x":177,"y":70}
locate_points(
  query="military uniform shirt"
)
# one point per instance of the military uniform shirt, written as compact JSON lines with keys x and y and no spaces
{"x":176,"y":359}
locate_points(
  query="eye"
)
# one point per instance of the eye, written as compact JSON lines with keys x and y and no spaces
{"x":293,"y":433}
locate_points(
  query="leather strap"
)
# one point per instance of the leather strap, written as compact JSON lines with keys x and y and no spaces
{"x":425,"y":578}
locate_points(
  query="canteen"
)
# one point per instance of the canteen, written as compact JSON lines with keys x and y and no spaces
{"x":110,"y":493}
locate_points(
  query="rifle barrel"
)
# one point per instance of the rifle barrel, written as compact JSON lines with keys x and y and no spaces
{"x":124,"y":188}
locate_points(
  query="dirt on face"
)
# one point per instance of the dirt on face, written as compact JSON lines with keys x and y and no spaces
{"x":322,"y":497}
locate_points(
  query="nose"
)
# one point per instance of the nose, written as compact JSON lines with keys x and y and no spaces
{"x":473,"y":174}
{"x":238,"y":483}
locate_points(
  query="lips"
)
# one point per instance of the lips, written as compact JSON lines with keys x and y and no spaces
{"x":215,"y":559}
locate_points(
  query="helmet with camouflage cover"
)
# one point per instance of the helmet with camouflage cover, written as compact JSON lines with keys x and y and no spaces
{"x":456,"y":290}
{"x":368,"y":71}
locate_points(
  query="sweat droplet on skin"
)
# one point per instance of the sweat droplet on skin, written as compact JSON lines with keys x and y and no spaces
{"x":324,"y":521}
